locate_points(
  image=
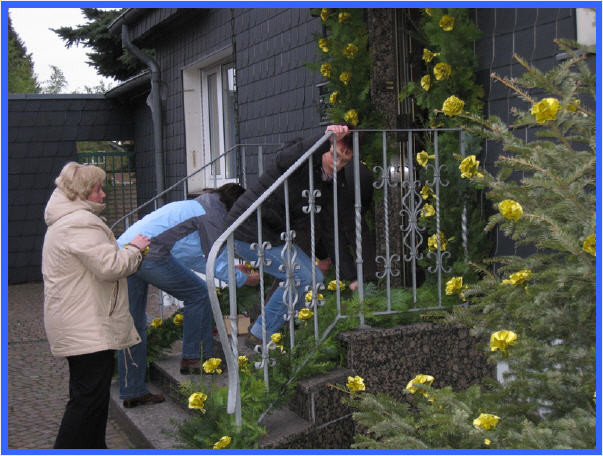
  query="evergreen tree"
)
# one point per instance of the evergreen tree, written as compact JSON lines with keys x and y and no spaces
{"x":57,"y":81}
{"x":21,"y":76}
{"x":540,"y":313}
{"x":107,"y":55}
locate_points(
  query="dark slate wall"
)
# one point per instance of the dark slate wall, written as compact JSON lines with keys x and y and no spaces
{"x":529,"y":33}
{"x":42,"y":135}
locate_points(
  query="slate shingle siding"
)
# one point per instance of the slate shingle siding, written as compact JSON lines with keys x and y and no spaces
{"x":42,"y":135}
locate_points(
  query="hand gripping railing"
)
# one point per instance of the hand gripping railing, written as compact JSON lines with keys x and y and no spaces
{"x":231,"y":355}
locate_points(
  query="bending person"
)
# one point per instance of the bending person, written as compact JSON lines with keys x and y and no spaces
{"x":86,"y":299}
{"x":182,"y":234}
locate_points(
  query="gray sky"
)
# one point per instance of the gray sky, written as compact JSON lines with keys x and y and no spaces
{"x":33,"y":26}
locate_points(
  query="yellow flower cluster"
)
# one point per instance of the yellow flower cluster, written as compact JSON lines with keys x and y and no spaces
{"x":453,"y":106}
{"x":425,"y":381}
{"x":305,"y":314}
{"x":219,"y":291}
{"x":323,"y":44}
{"x":243,"y":363}
{"x":432,"y":242}
{"x":178,"y":319}
{"x":197,"y":401}
{"x":351,"y":117}
{"x":222,"y":443}
{"x":212,"y":366}
{"x":442,"y":71}
{"x":518,"y":278}
{"x":427,"y":11}
{"x":447,"y":23}
{"x":470,"y":168}
{"x":426,"y":83}
{"x":333,"y":97}
{"x":510,"y":209}
{"x":426,"y":192}
{"x":156,"y":323}
{"x":486,"y":421}
{"x":324,"y":14}
{"x":350,"y":50}
{"x":355,"y":384}
{"x":333,"y":285}
{"x":545,"y":110}
{"x":455,"y":286}
{"x":319,"y":296}
{"x":325,"y":70}
{"x":344,"y":17}
{"x":573,"y":107}
{"x":502,"y":340}
{"x":428,"y":55}
{"x":276,"y":340}
{"x":428,"y":211}
{"x":345,"y":77}
{"x":590,"y":245}
{"x":423,"y":158}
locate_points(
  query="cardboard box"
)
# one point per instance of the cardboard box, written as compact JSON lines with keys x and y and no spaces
{"x":243,"y":322}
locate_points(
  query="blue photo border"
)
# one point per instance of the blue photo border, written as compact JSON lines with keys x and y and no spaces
{"x":305,"y":4}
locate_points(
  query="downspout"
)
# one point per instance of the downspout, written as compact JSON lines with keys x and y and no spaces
{"x":154,"y":102}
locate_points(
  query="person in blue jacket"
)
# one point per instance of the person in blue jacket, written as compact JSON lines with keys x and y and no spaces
{"x":182,"y":234}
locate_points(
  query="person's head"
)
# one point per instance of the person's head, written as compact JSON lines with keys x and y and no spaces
{"x":81,"y":181}
{"x":228,"y":193}
{"x":345,"y":150}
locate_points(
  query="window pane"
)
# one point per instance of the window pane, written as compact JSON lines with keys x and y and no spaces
{"x":228,"y":107}
{"x":214,"y":125}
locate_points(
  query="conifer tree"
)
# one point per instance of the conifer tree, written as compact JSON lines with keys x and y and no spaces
{"x":538,"y":311}
{"x":21,"y":76}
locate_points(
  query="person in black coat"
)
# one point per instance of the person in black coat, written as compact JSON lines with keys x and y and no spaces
{"x":274,"y":221}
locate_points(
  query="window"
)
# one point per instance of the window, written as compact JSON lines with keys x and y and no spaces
{"x":209,"y":105}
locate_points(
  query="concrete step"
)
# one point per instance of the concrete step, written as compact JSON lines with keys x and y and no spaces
{"x":149,"y":426}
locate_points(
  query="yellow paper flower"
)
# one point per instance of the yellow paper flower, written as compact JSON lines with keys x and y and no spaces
{"x":423,"y":158}
{"x":573,"y":107}
{"x":546,"y":109}
{"x":276,"y":338}
{"x":426,"y":192}
{"x":470,"y":167}
{"x":487,"y":442}
{"x":454,"y":286}
{"x":305,"y":314}
{"x":319,"y":296}
{"x":426,"y":82}
{"x":333,"y":97}
{"x":502,"y":340}
{"x":510,"y":209}
{"x":324,"y":14}
{"x":333,"y":285}
{"x":428,"y":211}
{"x":427,"y":11}
{"x":420,"y":379}
{"x":590,"y":245}
{"x":323,"y":44}
{"x":442,"y":71}
{"x":325,"y":70}
{"x":197,"y":401}
{"x":343,"y":17}
{"x":453,"y":106}
{"x":156,"y":323}
{"x":350,"y":50}
{"x":355,"y":384}
{"x":428,"y":55}
{"x":518,"y":278}
{"x":211,"y":366}
{"x":178,"y":319}
{"x":222,"y":443}
{"x":432,"y":242}
{"x":447,"y":23}
{"x":243,"y":362}
{"x":351,"y":117}
{"x":486,"y":421}
{"x":345,"y":77}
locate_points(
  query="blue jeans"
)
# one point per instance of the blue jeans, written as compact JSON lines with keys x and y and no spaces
{"x":275,"y":308}
{"x":171,"y":276}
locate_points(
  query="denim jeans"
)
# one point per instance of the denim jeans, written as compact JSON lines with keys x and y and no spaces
{"x":171,"y":276}
{"x":275,"y":308}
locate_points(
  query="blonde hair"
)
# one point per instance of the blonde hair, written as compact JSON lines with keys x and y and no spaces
{"x":78,"y":181}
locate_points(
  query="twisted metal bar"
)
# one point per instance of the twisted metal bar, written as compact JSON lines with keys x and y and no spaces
{"x":464,"y":230}
{"x":358,"y":222}
{"x":289,"y":266}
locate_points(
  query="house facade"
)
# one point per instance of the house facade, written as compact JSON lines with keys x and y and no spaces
{"x":222,"y":77}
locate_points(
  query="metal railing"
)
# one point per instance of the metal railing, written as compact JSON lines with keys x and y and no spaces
{"x":389,"y":176}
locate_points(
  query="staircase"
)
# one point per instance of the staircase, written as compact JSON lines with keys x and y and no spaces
{"x":314,"y":418}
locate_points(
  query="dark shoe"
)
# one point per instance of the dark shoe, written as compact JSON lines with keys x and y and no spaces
{"x":190,"y":366}
{"x":252,"y":341}
{"x":148,"y":398}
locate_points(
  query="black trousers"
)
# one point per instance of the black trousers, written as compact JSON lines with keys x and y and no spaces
{"x":85,"y":420}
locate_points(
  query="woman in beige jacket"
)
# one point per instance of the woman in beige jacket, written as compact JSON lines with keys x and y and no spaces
{"x":86,"y":312}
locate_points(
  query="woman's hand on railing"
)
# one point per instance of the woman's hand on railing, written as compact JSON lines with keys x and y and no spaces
{"x":140,"y":241}
{"x":253,"y":278}
{"x":353,"y":285}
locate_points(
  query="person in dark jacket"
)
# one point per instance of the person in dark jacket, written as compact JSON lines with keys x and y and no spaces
{"x":274,"y":220}
{"x":182,"y":234}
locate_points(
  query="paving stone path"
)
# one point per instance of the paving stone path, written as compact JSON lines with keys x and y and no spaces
{"x":37,"y":382}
